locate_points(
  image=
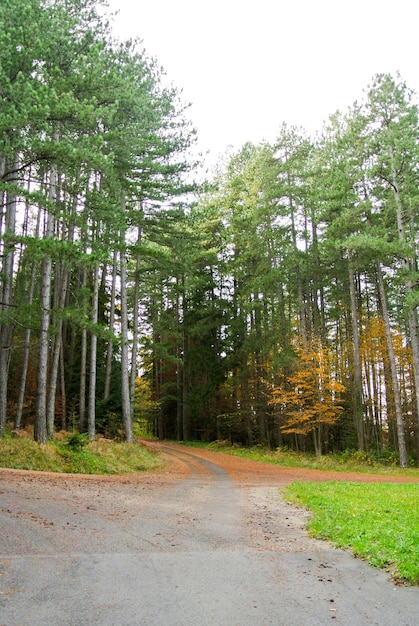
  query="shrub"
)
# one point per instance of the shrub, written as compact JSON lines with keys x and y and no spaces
{"x":77,"y":441}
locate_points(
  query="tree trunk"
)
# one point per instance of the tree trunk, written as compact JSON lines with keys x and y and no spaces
{"x":2,"y":196}
{"x":135,"y":326}
{"x":126,"y":404}
{"x":179,"y":367}
{"x":91,"y":414}
{"x":26,"y":352}
{"x":83,"y":361}
{"x":317,"y":441}
{"x":302,"y":313}
{"x":61,"y":291}
{"x":63,"y":390}
{"x":357,"y":367}
{"x":260,"y":392}
{"x":185,"y":390}
{"x":6,"y":296}
{"x":40,"y":433}
{"x":409,"y":265}
{"x":109,"y":352}
{"x":394,"y":377}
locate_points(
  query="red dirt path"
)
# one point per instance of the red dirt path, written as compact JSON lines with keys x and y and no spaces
{"x":256,"y":473}
{"x":245,"y":472}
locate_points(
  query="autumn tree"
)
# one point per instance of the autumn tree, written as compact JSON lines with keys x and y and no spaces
{"x":311,"y":400}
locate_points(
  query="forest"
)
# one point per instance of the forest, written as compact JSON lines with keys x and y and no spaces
{"x":273,"y":304}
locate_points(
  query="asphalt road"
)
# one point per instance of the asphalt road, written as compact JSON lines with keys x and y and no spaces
{"x":202,"y":550}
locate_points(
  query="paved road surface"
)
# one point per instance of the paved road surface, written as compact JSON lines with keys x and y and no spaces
{"x":200,"y":551}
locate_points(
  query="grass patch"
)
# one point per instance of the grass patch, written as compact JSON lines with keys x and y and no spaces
{"x":349,"y":461}
{"x":77,"y":457}
{"x":376,"y":521}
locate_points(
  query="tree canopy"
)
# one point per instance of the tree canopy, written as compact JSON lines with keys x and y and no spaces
{"x":276,"y":304}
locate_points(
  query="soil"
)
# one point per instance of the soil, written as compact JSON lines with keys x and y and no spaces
{"x":196,"y":535}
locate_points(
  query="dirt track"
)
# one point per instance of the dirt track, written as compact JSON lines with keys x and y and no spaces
{"x":207,"y":541}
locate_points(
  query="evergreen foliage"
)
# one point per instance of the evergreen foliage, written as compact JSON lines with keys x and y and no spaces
{"x":113,"y":263}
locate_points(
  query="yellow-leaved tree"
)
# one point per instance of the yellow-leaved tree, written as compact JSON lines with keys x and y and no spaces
{"x":145,"y":407}
{"x":312,"y":397}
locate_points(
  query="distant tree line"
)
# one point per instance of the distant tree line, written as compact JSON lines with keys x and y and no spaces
{"x":275,"y":305}
{"x":290,"y":316}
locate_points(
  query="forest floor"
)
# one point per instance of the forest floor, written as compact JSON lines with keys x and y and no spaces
{"x":207,"y":541}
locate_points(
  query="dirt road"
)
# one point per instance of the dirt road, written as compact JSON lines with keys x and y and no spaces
{"x":209,"y":542}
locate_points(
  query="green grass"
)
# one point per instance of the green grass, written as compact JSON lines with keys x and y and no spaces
{"x":378,"y":522}
{"x":97,"y":457}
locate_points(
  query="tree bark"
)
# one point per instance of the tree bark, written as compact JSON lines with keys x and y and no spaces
{"x":409,"y":265}
{"x":40,"y":432}
{"x":125,"y":378}
{"x":6,"y":297}
{"x":394,"y":377}
{"x":27,"y":338}
{"x":26,"y":352}
{"x":126,"y":404}
{"x":135,"y":326}
{"x":57,"y":350}
{"x":109,"y":352}
{"x":357,"y":371}
{"x":91,"y":414}
{"x":83,"y":360}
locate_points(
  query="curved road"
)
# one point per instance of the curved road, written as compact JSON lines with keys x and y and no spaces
{"x":198,"y":551}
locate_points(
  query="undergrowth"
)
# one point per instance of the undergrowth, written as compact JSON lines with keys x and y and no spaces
{"x":73,"y":453}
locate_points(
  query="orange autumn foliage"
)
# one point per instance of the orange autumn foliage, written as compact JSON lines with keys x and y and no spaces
{"x":312,"y":397}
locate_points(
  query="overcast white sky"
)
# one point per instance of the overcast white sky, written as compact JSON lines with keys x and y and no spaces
{"x":246,"y":67}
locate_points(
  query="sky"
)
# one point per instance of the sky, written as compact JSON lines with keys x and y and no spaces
{"x":248,"y":66}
